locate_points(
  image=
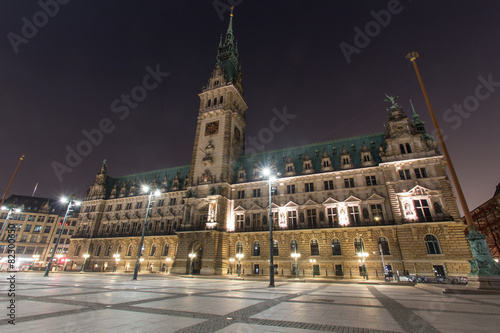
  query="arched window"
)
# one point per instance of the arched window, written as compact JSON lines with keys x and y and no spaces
{"x":215,"y":101}
{"x":165,"y":250}
{"x":221,"y":99}
{"x":408,"y":148}
{"x":108,"y":252}
{"x":276,"y":250}
{"x":432,"y":244}
{"x":256,"y":249}
{"x":402,"y":148}
{"x":294,"y":246}
{"x":239,"y":247}
{"x":153,"y":250}
{"x":209,"y":101}
{"x":130,"y":249}
{"x":98,"y":251}
{"x":119,"y":249}
{"x":359,"y":246}
{"x":384,"y":246}
{"x":336,"y":248}
{"x":78,"y":249}
{"x":314,"y":247}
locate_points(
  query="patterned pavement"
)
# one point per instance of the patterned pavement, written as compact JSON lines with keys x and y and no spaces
{"x":93,"y":302}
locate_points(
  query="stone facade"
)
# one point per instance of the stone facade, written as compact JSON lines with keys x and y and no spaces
{"x":380,"y":194}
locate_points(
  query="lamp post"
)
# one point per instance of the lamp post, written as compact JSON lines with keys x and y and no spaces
{"x":271,"y":178}
{"x":151,"y":195}
{"x":71,"y":203}
{"x":363,"y":256}
{"x":10,"y":209}
{"x":382,"y":257}
{"x":296,"y":256}
{"x":117,"y":259}
{"x":231,"y":262}
{"x":192,"y":255}
{"x":239,"y":256}
{"x":168,"y":260}
{"x":312,"y":261}
{"x":85,"y":257}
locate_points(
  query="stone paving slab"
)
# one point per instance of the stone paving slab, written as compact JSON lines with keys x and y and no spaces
{"x":99,"y":302}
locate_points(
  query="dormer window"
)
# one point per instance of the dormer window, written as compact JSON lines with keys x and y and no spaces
{"x":307,"y":166}
{"x":345,"y":160}
{"x":326,"y":163}
{"x":366,"y":158}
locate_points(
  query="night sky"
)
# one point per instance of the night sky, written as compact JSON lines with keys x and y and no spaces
{"x":62,"y":79}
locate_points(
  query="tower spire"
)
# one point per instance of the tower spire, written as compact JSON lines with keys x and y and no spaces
{"x":227,"y":55}
{"x":418,"y":124}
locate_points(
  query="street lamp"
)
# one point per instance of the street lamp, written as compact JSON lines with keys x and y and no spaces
{"x":85,"y":257}
{"x":192,"y":255}
{"x":312,"y":261}
{"x":382,"y":257}
{"x":271,"y":178}
{"x":71,"y":203}
{"x":168,"y":260}
{"x":296,"y":256}
{"x":152,"y":194}
{"x":239,"y":256}
{"x":10,"y":209}
{"x":231,"y":262}
{"x":117,"y":259}
{"x":363,"y":256}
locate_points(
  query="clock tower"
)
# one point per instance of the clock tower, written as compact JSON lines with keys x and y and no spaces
{"x":220,"y":131}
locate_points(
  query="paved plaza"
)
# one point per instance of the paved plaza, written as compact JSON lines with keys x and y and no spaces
{"x":93,"y":302}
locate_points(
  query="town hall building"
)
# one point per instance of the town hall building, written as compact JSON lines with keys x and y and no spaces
{"x":351,"y":207}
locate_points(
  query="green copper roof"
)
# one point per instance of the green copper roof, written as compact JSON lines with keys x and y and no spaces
{"x":333,"y":148}
{"x":154,"y":177}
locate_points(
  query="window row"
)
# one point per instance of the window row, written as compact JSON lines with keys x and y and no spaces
{"x":405,"y":174}
{"x":138,"y":205}
{"x":214,"y":101}
{"x":309,"y":187}
{"x":130,"y":250}
{"x":431,"y":243}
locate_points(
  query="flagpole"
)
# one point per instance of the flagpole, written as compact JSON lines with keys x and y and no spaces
{"x":11,"y":180}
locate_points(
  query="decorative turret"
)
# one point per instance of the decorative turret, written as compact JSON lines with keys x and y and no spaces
{"x":98,"y":189}
{"x":405,"y":140}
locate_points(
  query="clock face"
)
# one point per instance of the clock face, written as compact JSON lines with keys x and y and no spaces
{"x":212,"y":128}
